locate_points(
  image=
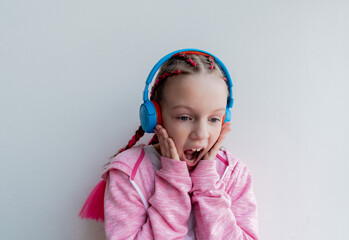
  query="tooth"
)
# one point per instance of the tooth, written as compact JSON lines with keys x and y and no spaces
{"x":196,"y":150}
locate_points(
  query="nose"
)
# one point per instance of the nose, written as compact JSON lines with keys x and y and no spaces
{"x":199,"y":131}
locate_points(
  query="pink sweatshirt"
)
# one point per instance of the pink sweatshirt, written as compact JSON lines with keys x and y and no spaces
{"x":142,"y":203}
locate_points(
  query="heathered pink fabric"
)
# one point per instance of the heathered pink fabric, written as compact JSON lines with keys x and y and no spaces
{"x":224,"y":209}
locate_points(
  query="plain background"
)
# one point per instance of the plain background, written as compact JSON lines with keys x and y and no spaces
{"x":72,"y":75}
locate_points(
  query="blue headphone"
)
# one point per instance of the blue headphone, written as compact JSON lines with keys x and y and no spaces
{"x":150,"y":113}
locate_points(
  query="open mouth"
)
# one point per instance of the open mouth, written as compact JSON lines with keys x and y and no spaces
{"x":192,"y":155}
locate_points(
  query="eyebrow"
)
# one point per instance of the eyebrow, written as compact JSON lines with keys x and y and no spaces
{"x":183,"y":106}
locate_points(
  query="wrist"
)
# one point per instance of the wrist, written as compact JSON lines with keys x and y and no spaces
{"x":174,"y":166}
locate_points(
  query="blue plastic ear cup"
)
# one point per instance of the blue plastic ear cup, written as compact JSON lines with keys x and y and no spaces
{"x":149,"y":111}
{"x":150,"y":115}
{"x":227,"y":116}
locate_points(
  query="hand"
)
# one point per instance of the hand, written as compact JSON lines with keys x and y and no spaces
{"x":210,"y":155}
{"x":167,"y":145}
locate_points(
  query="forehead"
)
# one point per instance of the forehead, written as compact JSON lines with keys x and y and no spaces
{"x":201,"y":92}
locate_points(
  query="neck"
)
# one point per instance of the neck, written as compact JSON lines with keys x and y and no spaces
{"x":157,"y":147}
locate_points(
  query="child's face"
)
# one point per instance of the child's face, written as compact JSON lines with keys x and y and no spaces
{"x":192,"y":109}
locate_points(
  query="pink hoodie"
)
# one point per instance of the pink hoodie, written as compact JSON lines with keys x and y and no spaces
{"x":141,"y":203}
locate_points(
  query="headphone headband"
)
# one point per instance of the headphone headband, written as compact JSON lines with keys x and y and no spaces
{"x":189,"y":51}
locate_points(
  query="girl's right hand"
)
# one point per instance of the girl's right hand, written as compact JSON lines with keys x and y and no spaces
{"x":167,"y":145}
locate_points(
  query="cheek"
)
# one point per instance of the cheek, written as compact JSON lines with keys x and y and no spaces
{"x":215,"y":135}
{"x":178,"y":135}
{"x":176,"y":132}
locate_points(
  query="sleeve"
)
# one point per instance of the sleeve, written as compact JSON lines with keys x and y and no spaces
{"x":220,"y":214}
{"x":169,"y":209}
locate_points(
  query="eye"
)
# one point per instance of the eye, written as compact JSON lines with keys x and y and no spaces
{"x":183,"y":118}
{"x":214,"y":120}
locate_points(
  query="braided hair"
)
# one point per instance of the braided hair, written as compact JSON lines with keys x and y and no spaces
{"x":180,"y":63}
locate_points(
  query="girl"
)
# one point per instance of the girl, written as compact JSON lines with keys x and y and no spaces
{"x":182,"y":185}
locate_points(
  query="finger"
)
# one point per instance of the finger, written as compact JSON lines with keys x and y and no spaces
{"x":164,"y":135}
{"x":173,"y":149}
{"x":225,"y":125}
{"x":225,"y":129}
{"x":215,"y":148}
{"x":161,"y":142}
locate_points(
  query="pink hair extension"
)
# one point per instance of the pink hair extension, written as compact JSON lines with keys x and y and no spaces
{"x":224,"y":78}
{"x":94,"y":205}
{"x":162,"y":77}
{"x":154,"y":140}
{"x":188,"y":59}
{"x":139,"y":133}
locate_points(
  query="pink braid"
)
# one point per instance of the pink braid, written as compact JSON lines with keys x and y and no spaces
{"x":187,"y":58}
{"x":154,"y":140}
{"x":162,"y":77}
{"x":139,"y":133}
{"x":166,"y":75}
{"x":212,"y":65}
{"x":211,"y":61}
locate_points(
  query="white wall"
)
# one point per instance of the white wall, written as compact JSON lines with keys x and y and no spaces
{"x":71,"y":80}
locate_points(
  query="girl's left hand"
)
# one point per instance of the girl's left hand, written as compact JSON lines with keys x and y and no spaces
{"x":211,"y":155}
{"x":167,"y":145}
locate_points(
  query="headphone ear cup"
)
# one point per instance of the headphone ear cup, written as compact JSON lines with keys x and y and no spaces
{"x":147,"y":114}
{"x":150,"y":115}
{"x":158,"y":112}
{"x":227,"y":116}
